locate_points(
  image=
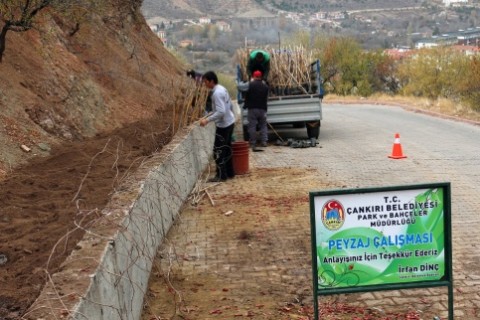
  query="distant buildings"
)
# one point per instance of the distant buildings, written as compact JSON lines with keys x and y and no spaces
{"x":450,"y":2}
{"x":398,"y":53}
{"x":435,"y":41}
{"x":316,"y":18}
{"x":161,"y":33}
{"x":469,"y":37}
{"x":223,"y":26}
{"x":160,"y":30}
{"x":205,"y":20}
{"x":185,"y":43}
{"x":465,"y":41}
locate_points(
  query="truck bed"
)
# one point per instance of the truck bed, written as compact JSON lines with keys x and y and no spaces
{"x":291,"y":109}
{"x":301,"y":109}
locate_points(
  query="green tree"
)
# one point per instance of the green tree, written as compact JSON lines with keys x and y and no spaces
{"x":192,"y":31}
{"x":347,"y":69}
{"x":342,"y":65}
{"x":379,"y":72}
{"x":468,"y":86}
{"x":433,"y":73}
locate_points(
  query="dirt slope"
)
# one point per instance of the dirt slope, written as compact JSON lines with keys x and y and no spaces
{"x":90,"y":103}
{"x":60,"y":84}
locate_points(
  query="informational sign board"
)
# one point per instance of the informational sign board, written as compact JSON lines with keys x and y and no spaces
{"x":381,"y":239}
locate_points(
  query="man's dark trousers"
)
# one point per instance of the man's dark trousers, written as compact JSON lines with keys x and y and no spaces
{"x":222,"y":151}
{"x":257,"y":117}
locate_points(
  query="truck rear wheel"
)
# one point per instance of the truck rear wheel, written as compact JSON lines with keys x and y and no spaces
{"x":313,"y":129}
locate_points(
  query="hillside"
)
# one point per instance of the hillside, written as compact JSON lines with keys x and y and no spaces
{"x":84,"y":100}
{"x":182,"y":9}
{"x":58,"y":86}
{"x":254,"y":23}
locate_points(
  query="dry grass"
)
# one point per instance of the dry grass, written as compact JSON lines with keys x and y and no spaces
{"x":443,"y":107}
{"x":187,"y":100}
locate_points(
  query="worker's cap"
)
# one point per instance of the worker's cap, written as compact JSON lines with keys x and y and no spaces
{"x":257,"y":74}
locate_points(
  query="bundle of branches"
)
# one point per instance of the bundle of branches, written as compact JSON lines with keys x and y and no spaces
{"x":241,"y":57}
{"x":290,"y":69}
{"x":187,"y":101}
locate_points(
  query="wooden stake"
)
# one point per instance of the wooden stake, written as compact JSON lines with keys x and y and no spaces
{"x":210,"y":198}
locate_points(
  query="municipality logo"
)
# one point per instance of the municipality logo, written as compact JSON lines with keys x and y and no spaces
{"x":333,"y":215}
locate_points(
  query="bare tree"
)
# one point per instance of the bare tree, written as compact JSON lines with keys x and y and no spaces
{"x":19,"y":15}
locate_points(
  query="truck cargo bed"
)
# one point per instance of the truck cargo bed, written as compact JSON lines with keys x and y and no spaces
{"x":303,"y":109}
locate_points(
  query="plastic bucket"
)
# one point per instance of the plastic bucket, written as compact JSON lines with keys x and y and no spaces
{"x":240,"y":151}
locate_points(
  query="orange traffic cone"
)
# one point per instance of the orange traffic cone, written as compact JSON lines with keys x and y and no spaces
{"x":397,"y":149}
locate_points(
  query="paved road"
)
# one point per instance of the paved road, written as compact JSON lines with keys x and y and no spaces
{"x":269,"y":264}
{"x":354,"y":143}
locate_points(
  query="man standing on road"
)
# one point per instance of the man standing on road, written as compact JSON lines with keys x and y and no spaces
{"x":256,"y":96}
{"x":258,"y":60}
{"x":224,"y":118}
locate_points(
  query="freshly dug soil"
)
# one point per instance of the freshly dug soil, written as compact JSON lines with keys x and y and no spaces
{"x":42,"y":202}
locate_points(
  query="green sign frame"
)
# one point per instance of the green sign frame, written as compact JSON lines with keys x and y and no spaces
{"x":384,"y":238}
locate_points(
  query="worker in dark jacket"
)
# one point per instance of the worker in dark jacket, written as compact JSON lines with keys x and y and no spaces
{"x":256,"y":96}
{"x":195,"y":75}
{"x":258,"y":60}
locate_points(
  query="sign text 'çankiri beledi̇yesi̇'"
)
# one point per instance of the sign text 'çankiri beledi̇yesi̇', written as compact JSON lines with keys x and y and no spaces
{"x":392,"y":213}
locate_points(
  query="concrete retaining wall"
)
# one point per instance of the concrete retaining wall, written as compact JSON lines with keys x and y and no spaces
{"x":106,"y":277}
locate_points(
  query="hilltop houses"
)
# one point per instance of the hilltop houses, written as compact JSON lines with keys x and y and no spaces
{"x":205,"y":20}
{"x":185,"y":43}
{"x":161,"y":33}
{"x":388,"y":36}
{"x":223,"y":26}
{"x":450,"y":2}
{"x":161,"y":30}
